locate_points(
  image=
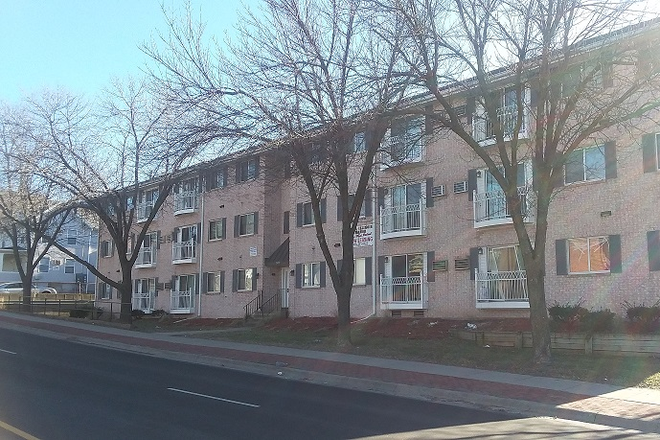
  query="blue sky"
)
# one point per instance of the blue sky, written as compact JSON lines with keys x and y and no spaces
{"x":80,"y":45}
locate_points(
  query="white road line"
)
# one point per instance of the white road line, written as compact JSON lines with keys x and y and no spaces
{"x":235,"y":402}
{"x":5,"y":351}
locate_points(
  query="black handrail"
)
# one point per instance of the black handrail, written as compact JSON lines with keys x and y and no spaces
{"x":265,"y":306}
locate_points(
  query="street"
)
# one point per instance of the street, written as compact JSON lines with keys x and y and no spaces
{"x":58,"y":389}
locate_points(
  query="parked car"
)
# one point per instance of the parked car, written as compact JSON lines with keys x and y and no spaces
{"x":17,"y":288}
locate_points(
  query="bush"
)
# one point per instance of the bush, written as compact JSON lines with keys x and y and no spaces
{"x":645,"y":318}
{"x":567,"y":313}
{"x":137,"y":313}
{"x":599,"y":321}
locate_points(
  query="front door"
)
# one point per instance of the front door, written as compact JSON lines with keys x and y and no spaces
{"x":284,"y":286}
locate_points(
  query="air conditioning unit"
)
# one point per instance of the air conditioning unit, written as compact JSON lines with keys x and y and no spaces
{"x":460,"y":187}
{"x":438,"y":191}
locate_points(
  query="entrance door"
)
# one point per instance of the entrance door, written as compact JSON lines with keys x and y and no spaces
{"x":284,"y":286}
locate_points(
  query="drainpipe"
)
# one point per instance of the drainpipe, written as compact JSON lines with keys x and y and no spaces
{"x":374,"y":254}
{"x":201,"y":251}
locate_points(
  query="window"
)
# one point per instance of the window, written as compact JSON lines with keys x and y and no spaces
{"x":308,"y":214}
{"x":69,"y":265}
{"x":186,"y":196}
{"x":359,"y":143}
{"x":44,"y":264}
{"x":585,"y":165}
{"x":244,"y":279}
{"x":586,"y":255}
{"x":246,"y":170}
{"x":184,"y":241}
{"x":360,"y":272}
{"x":406,"y":140}
{"x":217,"y":179}
{"x":217,"y":229}
{"x":215,"y":282}
{"x":71,"y":236}
{"x":311,"y":276}
{"x":305,"y":213}
{"x":245,"y":224}
{"x":147,"y":199}
{"x":107,"y":248}
{"x":105,"y":291}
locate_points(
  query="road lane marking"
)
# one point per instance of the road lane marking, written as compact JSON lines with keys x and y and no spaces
{"x":235,"y":402}
{"x":6,"y":351}
{"x":18,"y":432}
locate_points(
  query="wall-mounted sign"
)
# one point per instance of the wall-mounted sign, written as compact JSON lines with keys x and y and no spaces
{"x":364,"y":236}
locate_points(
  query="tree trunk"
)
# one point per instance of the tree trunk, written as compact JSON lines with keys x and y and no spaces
{"x":126,"y":309}
{"x":538,"y":312}
{"x":344,"y":316}
{"x":27,"y":290}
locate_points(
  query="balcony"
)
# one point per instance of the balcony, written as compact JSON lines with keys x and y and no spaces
{"x":491,"y":209}
{"x":181,"y":302}
{"x":144,"y":301}
{"x":483,"y":130}
{"x":403,"y":221}
{"x":403,"y":293}
{"x":403,"y":149}
{"x":183,"y":252}
{"x":146,"y":258}
{"x":185,"y":202}
{"x":143,"y":211}
{"x":501,"y":290}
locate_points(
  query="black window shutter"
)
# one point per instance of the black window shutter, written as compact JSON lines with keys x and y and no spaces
{"x":225,"y":172}
{"x":339,"y":209}
{"x":256,"y":166}
{"x":222,"y":281}
{"x":560,"y":254}
{"x":472,"y":183}
{"x":285,"y":221}
{"x":224,"y":227}
{"x":299,"y":215}
{"x":158,"y":287}
{"x":429,"y":192}
{"x":649,"y":153}
{"x":381,"y":265}
{"x":322,"y":209}
{"x":234,"y":280}
{"x":238,"y":172}
{"x":367,"y":268}
{"x":474,"y":261}
{"x":653,"y":243}
{"x":157,"y":239}
{"x":237,"y":219}
{"x":254,"y":279}
{"x":367,"y":199}
{"x":615,"y":253}
{"x":298,"y":276}
{"x":430,"y":274}
{"x":428,"y":120}
{"x":205,"y":282}
{"x":173,"y":283}
{"x":198,"y":233}
{"x":174,"y":234}
{"x":110,"y":295}
{"x":381,"y":197}
{"x":322,"y":273}
{"x":610,"y":160}
{"x":209,"y":181}
{"x":256,"y":222}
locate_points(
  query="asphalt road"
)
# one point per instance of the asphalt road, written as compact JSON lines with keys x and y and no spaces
{"x":55,"y":389}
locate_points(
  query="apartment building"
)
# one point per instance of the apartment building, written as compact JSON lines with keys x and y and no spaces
{"x":435,"y":236}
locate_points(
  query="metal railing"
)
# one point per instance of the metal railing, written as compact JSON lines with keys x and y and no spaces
{"x":181,"y":301}
{"x":265,"y":306}
{"x":491,"y":206}
{"x":502,"y":286}
{"x":507,"y":116}
{"x":411,"y":217}
{"x":186,"y":201}
{"x":183,"y":251}
{"x":403,"y":290}
{"x":143,"y":301}
{"x":54,"y":307}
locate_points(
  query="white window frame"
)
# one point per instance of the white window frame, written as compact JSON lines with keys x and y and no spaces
{"x":307,"y":209}
{"x":69,"y":265}
{"x":213,"y":229}
{"x":601,"y":239}
{"x":360,"y":272}
{"x":106,"y":290}
{"x":243,"y":275}
{"x":245,"y":227}
{"x":106,"y":253}
{"x":585,"y":170}
{"x":215,"y":276}
{"x":247,"y":169}
{"x":311,"y":276}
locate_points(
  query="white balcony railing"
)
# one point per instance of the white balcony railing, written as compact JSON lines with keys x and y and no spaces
{"x":144,"y":301}
{"x":403,"y":149}
{"x":181,"y":301}
{"x":490,"y":208}
{"x":403,"y":221}
{"x":503,"y":289}
{"x":143,"y":210}
{"x":184,"y":252}
{"x":146,"y":257}
{"x":483,"y":129}
{"x":185,"y":202}
{"x":398,"y":293}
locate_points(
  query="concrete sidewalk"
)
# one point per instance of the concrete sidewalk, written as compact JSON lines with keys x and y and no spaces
{"x":631,"y":408}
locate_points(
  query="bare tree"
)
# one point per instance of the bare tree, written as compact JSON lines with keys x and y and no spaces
{"x":29,"y":207}
{"x":300,"y":81}
{"x":559,"y":63}
{"x":103,"y":162}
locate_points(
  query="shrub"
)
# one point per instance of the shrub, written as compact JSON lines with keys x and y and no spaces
{"x":567,"y":312}
{"x":645,"y":318}
{"x":137,"y":313}
{"x":599,"y":321}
